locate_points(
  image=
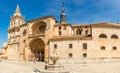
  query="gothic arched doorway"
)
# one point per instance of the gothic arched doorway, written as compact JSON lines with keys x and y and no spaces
{"x":37,"y":47}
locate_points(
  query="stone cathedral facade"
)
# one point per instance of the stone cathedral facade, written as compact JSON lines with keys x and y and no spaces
{"x":38,"y":38}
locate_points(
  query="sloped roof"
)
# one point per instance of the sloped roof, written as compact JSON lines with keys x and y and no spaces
{"x":101,"y":24}
{"x":106,"y":24}
{"x":79,"y":25}
{"x":45,"y":17}
{"x":74,"y":37}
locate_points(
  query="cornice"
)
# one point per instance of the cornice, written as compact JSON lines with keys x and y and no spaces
{"x":13,"y":29}
{"x":13,"y":43}
{"x":35,"y":35}
{"x":65,"y":38}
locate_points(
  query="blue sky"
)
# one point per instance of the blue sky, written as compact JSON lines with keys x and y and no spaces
{"x":77,"y":11}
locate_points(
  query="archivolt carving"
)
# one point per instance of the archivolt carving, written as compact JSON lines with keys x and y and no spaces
{"x":36,"y":44}
{"x":39,"y":27}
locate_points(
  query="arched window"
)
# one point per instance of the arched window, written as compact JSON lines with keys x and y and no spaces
{"x":86,"y":32}
{"x":103,"y":48}
{"x":114,"y":36}
{"x":114,"y":48}
{"x":39,"y":27}
{"x":79,"y":32}
{"x":42,"y":28}
{"x":102,"y":36}
{"x":59,"y":27}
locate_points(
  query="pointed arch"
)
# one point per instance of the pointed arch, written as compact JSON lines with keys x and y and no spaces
{"x":39,"y":27}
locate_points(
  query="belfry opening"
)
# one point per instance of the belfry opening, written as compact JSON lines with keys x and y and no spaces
{"x":37,"y":47}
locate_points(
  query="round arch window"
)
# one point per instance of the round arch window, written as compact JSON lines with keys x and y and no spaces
{"x":103,"y":48}
{"x":42,"y":28}
{"x":39,"y":27}
{"x":102,"y":36}
{"x":114,"y":36}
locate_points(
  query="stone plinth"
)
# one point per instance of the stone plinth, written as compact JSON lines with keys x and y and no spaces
{"x":54,"y":67}
{"x":50,"y":68}
{"x":46,"y":71}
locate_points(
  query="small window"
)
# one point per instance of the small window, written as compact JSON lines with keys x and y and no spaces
{"x":24,"y":41}
{"x":114,"y":48}
{"x":114,"y":36}
{"x":102,"y":36}
{"x":65,"y":27}
{"x":5,"y":48}
{"x":84,"y":54}
{"x":86,"y":32}
{"x":24,"y":32}
{"x":102,"y":48}
{"x":70,"y":55}
{"x":55,"y":46}
{"x":59,"y":32}
{"x":85,"y":46}
{"x":70,"y":45}
{"x":79,"y":32}
{"x":59,"y":27}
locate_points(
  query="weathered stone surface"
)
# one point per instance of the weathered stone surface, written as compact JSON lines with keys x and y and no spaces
{"x":36,"y":40}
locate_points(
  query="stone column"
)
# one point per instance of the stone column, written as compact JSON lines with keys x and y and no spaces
{"x":46,"y":53}
{"x":0,"y":56}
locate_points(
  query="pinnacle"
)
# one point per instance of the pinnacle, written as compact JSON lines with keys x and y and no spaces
{"x":17,"y":11}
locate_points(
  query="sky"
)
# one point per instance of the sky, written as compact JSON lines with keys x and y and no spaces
{"x":77,"y":11}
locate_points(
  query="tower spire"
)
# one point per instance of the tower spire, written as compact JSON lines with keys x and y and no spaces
{"x":63,"y":7}
{"x":17,"y":11}
{"x":63,"y":15}
{"x":17,"y":19}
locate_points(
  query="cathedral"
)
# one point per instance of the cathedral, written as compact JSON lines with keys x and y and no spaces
{"x":37,"y":39}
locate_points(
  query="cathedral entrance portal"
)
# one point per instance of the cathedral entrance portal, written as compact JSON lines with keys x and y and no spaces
{"x":39,"y":55}
{"x":37,"y":47}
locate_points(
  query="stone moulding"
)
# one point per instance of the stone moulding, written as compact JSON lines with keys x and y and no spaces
{"x":14,"y":29}
{"x":35,"y":35}
{"x":69,"y":38}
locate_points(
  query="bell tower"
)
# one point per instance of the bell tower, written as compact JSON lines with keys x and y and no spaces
{"x":15,"y":21}
{"x":14,"y":34}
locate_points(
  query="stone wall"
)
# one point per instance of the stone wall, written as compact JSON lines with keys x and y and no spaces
{"x":93,"y":46}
